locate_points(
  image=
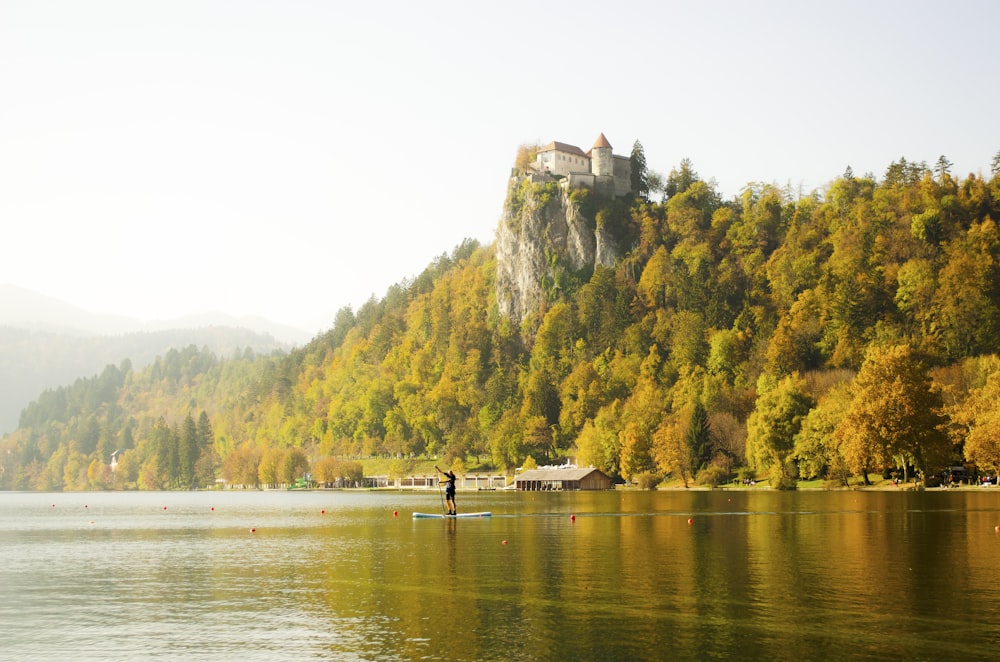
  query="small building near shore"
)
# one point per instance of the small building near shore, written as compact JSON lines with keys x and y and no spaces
{"x":471,"y":481}
{"x":563,"y":479}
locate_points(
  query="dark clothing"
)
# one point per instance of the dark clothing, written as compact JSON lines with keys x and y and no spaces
{"x":449,"y":485}
{"x":449,"y":490}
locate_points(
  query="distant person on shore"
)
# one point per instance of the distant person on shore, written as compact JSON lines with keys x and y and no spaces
{"x":449,"y":490}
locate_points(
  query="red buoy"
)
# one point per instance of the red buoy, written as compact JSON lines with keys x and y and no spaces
{"x":253,"y":530}
{"x":690,"y":520}
{"x":395,"y":513}
{"x":572,"y":518}
{"x":323,"y":512}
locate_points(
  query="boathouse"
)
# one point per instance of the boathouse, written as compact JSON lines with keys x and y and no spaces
{"x":565,"y":479}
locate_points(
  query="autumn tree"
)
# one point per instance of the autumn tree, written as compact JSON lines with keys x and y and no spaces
{"x":598,"y":443}
{"x":781,"y":407}
{"x":655,"y":287}
{"x":268,"y":471}
{"x":99,"y":475}
{"x":326,"y":471}
{"x":968,"y":297}
{"x":645,"y":408}
{"x":635,"y":451}
{"x":670,"y":448}
{"x":980,"y":413}
{"x":127,"y":470}
{"x":816,"y":449}
{"x":241,"y":466}
{"x":294,"y":465}
{"x":525,"y":156}
{"x":894,"y":415}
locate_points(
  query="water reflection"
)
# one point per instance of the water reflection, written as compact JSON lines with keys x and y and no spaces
{"x":689,"y":575}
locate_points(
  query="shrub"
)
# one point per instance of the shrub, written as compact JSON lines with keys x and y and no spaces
{"x":784,"y":477}
{"x":781,"y":482}
{"x":646,"y":480}
{"x":712,"y":476}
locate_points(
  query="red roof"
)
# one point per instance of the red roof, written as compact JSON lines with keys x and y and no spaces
{"x":562,"y":147}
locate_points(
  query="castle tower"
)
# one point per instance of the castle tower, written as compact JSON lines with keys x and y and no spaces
{"x":601,"y":163}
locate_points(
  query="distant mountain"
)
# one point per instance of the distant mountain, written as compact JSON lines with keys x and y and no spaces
{"x":25,"y":309}
{"x":284,"y":334}
{"x":46,"y":343}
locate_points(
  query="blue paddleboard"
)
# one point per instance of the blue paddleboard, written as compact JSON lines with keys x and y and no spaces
{"x":440,"y":516}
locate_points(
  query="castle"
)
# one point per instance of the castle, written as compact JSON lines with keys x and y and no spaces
{"x":599,"y":169}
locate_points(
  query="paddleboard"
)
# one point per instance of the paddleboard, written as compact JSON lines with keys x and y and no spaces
{"x":440,"y":516}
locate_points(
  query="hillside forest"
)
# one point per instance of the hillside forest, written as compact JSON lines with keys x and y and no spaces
{"x":780,"y":336}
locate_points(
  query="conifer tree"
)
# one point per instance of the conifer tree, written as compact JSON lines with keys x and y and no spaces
{"x":639,"y":173}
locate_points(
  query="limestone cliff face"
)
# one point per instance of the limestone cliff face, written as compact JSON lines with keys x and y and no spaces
{"x":542,"y":230}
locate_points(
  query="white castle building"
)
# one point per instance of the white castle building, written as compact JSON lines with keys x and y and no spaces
{"x":599,"y":169}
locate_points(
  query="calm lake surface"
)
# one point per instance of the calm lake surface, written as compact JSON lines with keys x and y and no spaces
{"x":339,"y":576}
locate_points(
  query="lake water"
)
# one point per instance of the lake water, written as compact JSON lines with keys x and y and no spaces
{"x":352,"y":576}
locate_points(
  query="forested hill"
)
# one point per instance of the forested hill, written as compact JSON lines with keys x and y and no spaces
{"x":32,"y":359}
{"x":828,"y":335}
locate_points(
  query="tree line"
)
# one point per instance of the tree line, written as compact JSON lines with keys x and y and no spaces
{"x":830,"y":335}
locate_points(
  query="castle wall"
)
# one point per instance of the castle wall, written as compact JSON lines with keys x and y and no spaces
{"x":622,"y":175}
{"x":562,"y":163}
{"x":580,"y":179}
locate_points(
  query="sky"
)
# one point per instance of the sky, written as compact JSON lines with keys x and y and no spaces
{"x":285,"y":159}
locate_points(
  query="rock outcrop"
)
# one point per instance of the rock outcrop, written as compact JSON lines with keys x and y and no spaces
{"x":542,"y":231}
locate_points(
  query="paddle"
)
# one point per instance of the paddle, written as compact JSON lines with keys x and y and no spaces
{"x":444,"y":510}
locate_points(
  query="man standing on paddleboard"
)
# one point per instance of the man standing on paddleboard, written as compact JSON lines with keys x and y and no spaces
{"x":449,"y":490}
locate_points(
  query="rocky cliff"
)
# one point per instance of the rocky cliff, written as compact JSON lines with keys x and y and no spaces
{"x":543,"y":235}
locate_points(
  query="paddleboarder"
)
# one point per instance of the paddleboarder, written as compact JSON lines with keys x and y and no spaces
{"x":449,"y":490}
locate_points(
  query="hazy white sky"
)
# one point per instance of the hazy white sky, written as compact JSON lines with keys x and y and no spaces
{"x":287,"y":158}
